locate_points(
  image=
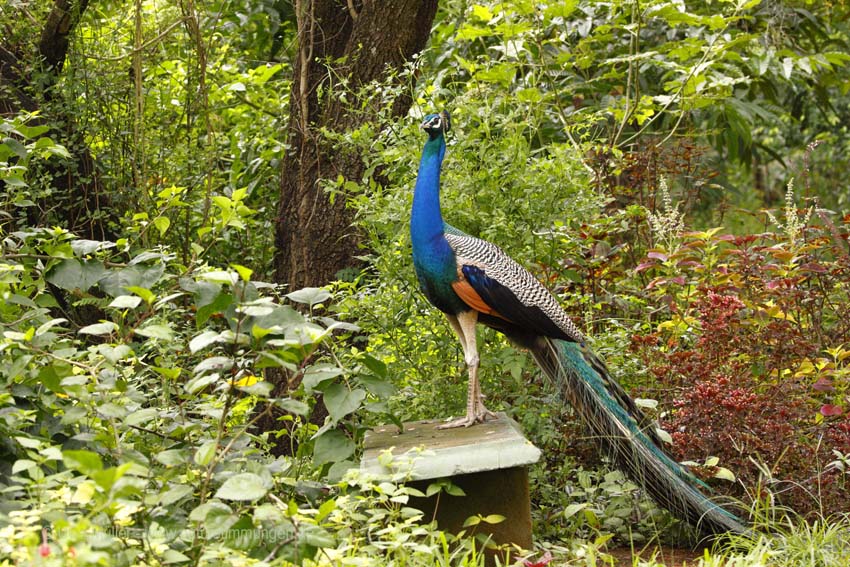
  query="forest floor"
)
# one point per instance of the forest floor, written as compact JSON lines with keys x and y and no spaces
{"x":668,"y":556}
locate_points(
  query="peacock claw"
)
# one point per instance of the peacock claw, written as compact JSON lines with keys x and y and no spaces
{"x":464,"y":421}
{"x":481,"y":415}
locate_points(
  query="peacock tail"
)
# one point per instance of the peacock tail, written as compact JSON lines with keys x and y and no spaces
{"x":627,"y":436}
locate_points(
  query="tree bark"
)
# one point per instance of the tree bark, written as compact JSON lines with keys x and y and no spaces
{"x":355,"y":43}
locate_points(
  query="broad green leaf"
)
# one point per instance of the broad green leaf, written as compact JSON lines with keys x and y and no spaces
{"x":204,"y":340}
{"x":162,"y":224}
{"x":309,"y":295}
{"x":217,"y":363}
{"x":141,"y":416}
{"x":318,"y":374}
{"x":341,"y":401}
{"x":22,"y":465}
{"x":326,"y":508}
{"x":383,"y":389}
{"x":243,"y":535}
{"x":116,"y":353}
{"x":219,"y":277}
{"x":244,"y":273}
{"x":171,"y":556}
{"x":172,"y":457}
{"x":293,"y":406}
{"x":215,"y":517}
{"x":242,"y":487}
{"x":112,"y":410}
{"x":86,"y":462}
{"x":378,"y":367}
{"x":664,"y":436}
{"x":197,"y":384}
{"x":28,"y":442}
{"x":82,"y":247}
{"x":156,"y":331}
{"x":71,"y":274}
{"x":119,"y":282}
{"x":316,"y":537}
{"x":104,"y":328}
{"x":724,"y":474}
{"x":331,"y":447}
{"x":205,"y":453}
{"x":49,"y":325}
{"x":268,"y":513}
{"x":126,"y":302}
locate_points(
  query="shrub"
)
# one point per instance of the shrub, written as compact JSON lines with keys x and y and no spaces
{"x":752,"y":361}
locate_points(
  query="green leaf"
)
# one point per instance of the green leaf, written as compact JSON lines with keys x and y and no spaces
{"x":219,"y":277}
{"x":242,"y":487}
{"x":724,"y":474}
{"x":162,"y":224}
{"x":141,"y":416}
{"x":156,"y":331}
{"x":28,"y":442}
{"x":319,"y":374}
{"x":172,"y":457}
{"x":204,"y":340}
{"x":482,"y":13}
{"x":381,"y":388}
{"x":326,"y":508}
{"x":664,"y":436}
{"x":244,"y":273}
{"x":104,"y":328}
{"x":23,"y":465}
{"x":126,"y":302}
{"x":87,"y":462}
{"x":243,"y":535}
{"x":309,"y":295}
{"x":170,"y":556}
{"x":147,"y":295}
{"x":216,"y":363}
{"x":341,"y":401}
{"x":83,"y":247}
{"x":72,"y":274}
{"x":119,"y":282}
{"x":205,"y":453}
{"x":378,"y":367}
{"x":215,"y":517}
{"x":331,"y":447}
{"x":296,"y":407}
{"x":316,"y":536}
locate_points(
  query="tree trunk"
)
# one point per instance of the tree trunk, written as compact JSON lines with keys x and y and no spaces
{"x":354,"y":43}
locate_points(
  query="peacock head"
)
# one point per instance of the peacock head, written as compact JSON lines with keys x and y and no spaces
{"x":437,"y":124}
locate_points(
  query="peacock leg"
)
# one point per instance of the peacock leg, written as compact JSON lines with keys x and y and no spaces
{"x":464,"y":327}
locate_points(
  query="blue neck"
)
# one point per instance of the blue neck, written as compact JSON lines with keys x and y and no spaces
{"x":426,"y":221}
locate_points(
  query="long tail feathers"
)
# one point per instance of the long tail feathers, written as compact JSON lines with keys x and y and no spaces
{"x":629,"y":437}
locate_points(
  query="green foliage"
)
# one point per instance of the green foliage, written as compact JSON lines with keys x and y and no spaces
{"x":20,"y":143}
{"x":133,"y":386}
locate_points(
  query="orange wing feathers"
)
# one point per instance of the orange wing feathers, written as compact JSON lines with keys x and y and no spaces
{"x":471,"y":298}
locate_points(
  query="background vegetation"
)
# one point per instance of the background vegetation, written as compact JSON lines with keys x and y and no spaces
{"x":674,"y":171}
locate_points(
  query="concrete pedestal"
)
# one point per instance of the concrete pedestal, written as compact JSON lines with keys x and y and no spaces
{"x":488,"y":461}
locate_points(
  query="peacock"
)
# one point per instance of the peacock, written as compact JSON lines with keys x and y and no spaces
{"x":473,"y":281}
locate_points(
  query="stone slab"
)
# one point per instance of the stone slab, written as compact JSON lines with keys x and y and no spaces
{"x":425,"y":452}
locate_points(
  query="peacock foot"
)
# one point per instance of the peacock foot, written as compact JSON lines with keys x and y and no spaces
{"x":480,"y":415}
